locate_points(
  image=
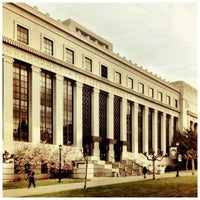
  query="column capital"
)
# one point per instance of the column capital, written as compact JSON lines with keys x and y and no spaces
{"x":79,"y":84}
{"x":124,"y":100}
{"x":59,"y":77}
{"x":8,"y":59}
{"x":96,"y":90}
{"x":110,"y":95}
{"x":35,"y":69}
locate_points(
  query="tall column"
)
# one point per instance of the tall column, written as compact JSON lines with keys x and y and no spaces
{"x":7,"y":103}
{"x":35,"y":105}
{"x":163,"y":133}
{"x":110,"y":125}
{"x":58,"y":111}
{"x":78,"y":115}
{"x":135,"y":128}
{"x":123,"y":136}
{"x":145,"y":129}
{"x":171,"y":129}
{"x":95,"y":121}
{"x":155,"y":130}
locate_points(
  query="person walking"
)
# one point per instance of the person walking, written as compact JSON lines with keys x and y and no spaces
{"x":144,"y":171}
{"x":31,"y":179}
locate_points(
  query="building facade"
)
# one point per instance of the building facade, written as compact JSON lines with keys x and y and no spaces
{"x":63,"y":84}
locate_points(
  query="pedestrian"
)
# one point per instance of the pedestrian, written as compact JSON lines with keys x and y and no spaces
{"x":144,"y":171}
{"x":31,"y":179}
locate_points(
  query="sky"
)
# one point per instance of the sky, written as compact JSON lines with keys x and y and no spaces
{"x":159,"y":36}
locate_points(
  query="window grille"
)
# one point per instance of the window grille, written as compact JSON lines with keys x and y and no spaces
{"x":140,"y":128}
{"x":69,"y":56}
{"x":117,"y":127}
{"x":46,"y":107}
{"x":150,"y":128}
{"x":20,"y":101}
{"x":87,"y":117}
{"x":22,"y":34}
{"x":103,"y":124}
{"x":68,"y":112}
{"x":47,"y":46}
{"x":129,"y":125}
{"x":159,"y":129}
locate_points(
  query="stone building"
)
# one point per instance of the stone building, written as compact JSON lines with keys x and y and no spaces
{"x":63,"y":84}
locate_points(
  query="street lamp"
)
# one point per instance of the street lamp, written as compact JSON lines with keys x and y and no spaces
{"x":59,"y":176}
{"x":177,"y":173}
{"x":152,"y":157}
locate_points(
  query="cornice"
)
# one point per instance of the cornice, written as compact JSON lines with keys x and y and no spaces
{"x":61,"y":63}
{"x":116,"y":56}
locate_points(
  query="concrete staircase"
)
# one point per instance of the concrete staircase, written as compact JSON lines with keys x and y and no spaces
{"x":110,"y":169}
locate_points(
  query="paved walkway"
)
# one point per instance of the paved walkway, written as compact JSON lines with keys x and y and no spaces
{"x":96,"y":181}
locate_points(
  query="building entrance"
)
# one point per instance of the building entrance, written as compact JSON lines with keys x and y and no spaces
{"x":118,"y":151}
{"x":103,"y":150}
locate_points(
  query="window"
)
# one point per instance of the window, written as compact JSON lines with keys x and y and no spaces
{"x":159,"y":128}
{"x":22,"y":34}
{"x":47,"y":46}
{"x":130,"y":83}
{"x":175,"y":103}
{"x":159,"y":96}
{"x":104,"y":71}
{"x":68,"y":112}
{"x":118,"y":77}
{"x":46,"y":107}
{"x":117,"y":127}
{"x":20,"y":101}
{"x":141,"y":88}
{"x":103,"y":145}
{"x":151,"y":92}
{"x":69,"y":56}
{"x":129,"y":125}
{"x":88,"y":64}
{"x":87,"y":119}
{"x":150,"y":128}
{"x":168,"y":100}
{"x":140,"y":128}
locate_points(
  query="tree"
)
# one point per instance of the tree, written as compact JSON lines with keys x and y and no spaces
{"x":27,"y":155}
{"x":187,"y":145}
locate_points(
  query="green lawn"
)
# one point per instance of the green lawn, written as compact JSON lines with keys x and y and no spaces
{"x":165,"y":187}
{"x":24,"y":184}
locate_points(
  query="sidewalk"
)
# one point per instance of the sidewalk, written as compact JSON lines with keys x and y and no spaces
{"x":96,"y":181}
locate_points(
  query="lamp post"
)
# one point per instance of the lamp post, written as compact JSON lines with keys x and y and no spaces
{"x":59,"y":176}
{"x":177,"y":173}
{"x":152,"y":157}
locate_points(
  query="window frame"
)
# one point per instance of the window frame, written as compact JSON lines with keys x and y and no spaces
{"x":28,"y":33}
{"x":175,"y":103}
{"x":130,"y":83}
{"x":141,"y":88}
{"x":66,"y":58}
{"x":160,"y":96}
{"x":87,"y":65}
{"x":44,"y":49}
{"x":103,"y":68}
{"x":168,"y":100}
{"x":151,"y":92}
{"x":118,"y":77}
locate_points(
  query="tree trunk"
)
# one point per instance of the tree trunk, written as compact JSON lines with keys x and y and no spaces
{"x":193,"y":166}
{"x":186,"y":164}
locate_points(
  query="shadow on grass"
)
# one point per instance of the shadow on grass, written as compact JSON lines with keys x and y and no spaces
{"x":165,"y":187}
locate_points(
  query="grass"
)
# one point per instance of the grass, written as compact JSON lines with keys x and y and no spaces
{"x":24,"y":184}
{"x":165,"y":187}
